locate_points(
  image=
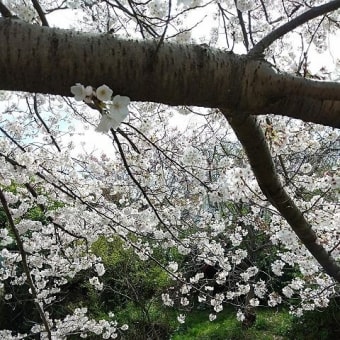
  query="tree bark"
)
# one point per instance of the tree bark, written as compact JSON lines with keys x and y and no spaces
{"x":50,"y":60}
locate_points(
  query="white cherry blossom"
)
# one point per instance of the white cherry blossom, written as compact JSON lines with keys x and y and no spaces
{"x":104,"y":93}
{"x":181,"y":318}
{"x":118,"y":112}
{"x":78,"y":91}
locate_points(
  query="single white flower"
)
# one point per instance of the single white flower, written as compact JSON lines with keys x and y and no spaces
{"x":254,"y":302}
{"x":94,"y":280}
{"x":274,"y":299}
{"x":100,"y":269}
{"x":173,"y":266}
{"x":104,"y":93}
{"x":181,"y":318}
{"x":118,"y":112}
{"x":306,"y":168}
{"x":240,"y":316}
{"x":119,"y":107}
{"x":184,"y":301}
{"x":218,"y":308}
{"x":78,"y":91}
{"x":287,"y":291}
{"x":8,"y":296}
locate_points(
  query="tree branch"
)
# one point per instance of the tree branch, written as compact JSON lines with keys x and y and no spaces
{"x":179,"y":75}
{"x":251,"y":136}
{"x":4,"y":11}
{"x":243,"y":27}
{"x":36,"y":111}
{"x":141,"y":189}
{"x":40,"y":12}
{"x":314,"y":12}
{"x":308,"y":109}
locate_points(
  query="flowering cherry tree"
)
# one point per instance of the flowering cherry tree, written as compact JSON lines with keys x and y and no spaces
{"x":246,"y":194}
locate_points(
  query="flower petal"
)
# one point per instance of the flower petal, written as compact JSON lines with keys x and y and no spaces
{"x":121,"y":100}
{"x":104,"y":93}
{"x":105,"y":124}
{"x":118,"y":114}
{"x":78,"y":91}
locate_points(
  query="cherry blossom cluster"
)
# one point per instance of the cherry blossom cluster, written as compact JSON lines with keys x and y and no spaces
{"x":208,"y":206}
{"x":114,"y":109}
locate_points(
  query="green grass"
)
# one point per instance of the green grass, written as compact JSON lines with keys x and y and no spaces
{"x":269,"y":325}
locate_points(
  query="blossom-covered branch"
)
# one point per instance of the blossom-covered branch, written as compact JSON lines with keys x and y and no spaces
{"x":27,"y":270}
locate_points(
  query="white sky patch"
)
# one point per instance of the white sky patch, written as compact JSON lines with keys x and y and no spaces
{"x":87,"y":140}
{"x":64,"y":18}
{"x":326,"y":60}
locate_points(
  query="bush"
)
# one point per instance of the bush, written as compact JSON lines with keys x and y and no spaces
{"x":321,"y":325}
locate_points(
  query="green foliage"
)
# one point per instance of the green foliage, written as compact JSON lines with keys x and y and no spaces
{"x":262,"y":324}
{"x":36,"y":214}
{"x":318,"y":325}
{"x":125,"y":272}
{"x":267,"y":319}
{"x":268,"y":326}
{"x":132,"y":290}
{"x":14,"y":315}
{"x":151,"y":322}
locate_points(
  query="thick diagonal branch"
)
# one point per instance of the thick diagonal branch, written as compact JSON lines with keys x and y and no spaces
{"x":251,"y":136}
{"x":49,"y":60}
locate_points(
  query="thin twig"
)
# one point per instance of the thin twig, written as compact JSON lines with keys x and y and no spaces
{"x":165,"y":29}
{"x":243,"y":27}
{"x":36,"y":112}
{"x":314,"y":12}
{"x":169,"y":158}
{"x":12,"y":139}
